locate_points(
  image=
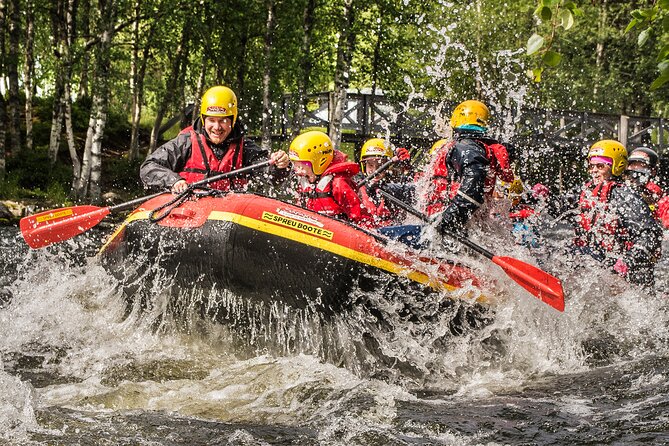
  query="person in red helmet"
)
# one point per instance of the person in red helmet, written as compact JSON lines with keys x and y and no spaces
{"x":640,"y":173}
{"x":215,"y":144}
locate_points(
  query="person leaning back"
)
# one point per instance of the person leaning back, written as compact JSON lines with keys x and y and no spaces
{"x":214,"y":144}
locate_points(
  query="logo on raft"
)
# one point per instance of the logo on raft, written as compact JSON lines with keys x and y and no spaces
{"x":300,"y":226}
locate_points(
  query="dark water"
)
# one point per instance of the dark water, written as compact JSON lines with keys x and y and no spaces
{"x":76,"y":369}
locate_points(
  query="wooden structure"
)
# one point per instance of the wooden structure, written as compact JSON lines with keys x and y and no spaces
{"x":412,"y":123}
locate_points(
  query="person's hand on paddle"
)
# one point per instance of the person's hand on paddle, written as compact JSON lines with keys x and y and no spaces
{"x":402,"y":154}
{"x":179,"y":187}
{"x":280,"y":159}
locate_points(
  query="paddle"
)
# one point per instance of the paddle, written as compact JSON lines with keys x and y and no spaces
{"x":538,"y":282}
{"x":48,"y":227}
{"x":382,"y":168}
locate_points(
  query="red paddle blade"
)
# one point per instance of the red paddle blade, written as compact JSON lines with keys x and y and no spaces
{"x":55,"y":226}
{"x":538,"y":282}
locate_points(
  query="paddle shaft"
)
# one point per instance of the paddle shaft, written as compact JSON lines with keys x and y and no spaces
{"x":538,"y":282}
{"x":46,"y":228}
{"x":131,"y":204}
{"x":382,"y":168}
{"x":465,"y":241}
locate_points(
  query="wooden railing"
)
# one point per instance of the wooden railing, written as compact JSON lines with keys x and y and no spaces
{"x":412,"y":123}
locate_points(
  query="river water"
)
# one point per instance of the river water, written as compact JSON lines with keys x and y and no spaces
{"x":77,"y":369}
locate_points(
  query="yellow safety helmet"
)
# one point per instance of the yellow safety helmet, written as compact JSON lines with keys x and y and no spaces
{"x":438,"y":145}
{"x":470,"y":113}
{"x":314,"y":147}
{"x":376,"y":147}
{"x":615,"y":151}
{"x":219,"y":101}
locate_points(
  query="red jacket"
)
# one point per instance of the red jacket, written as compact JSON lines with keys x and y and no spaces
{"x":658,"y":202}
{"x":597,"y":223}
{"x":334,"y":193}
{"x":444,"y":185}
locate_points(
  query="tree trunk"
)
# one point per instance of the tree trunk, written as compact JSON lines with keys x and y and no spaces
{"x":56,"y":117}
{"x":90,"y":181}
{"x":305,"y":67}
{"x":13,"y":76}
{"x":3,"y":148}
{"x":63,"y":21}
{"x":85,"y":58}
{"x":344,"y":55}
{"x":170,"y":86}
{"x":136,"y":108}
{"x":599,"y":50}
{"x":69,"y":133}
{"x":28,"y":71}
{"x":3,"y":105}
{"x":266,"y":141}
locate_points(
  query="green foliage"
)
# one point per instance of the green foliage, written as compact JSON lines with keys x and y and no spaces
{"x":36,"y":172}
{"x":552,"y":15}
{"x":654,"y":20}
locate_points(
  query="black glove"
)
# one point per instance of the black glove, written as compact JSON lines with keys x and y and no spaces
{"x":449,"y":223}
{"x":637,"y":257}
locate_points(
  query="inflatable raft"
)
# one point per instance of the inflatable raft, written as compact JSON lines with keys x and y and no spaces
{"x":268,"y":250}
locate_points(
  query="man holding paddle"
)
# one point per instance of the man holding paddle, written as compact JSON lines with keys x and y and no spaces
{"x":215,"y":144}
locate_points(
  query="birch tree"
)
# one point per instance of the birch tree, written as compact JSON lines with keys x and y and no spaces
{"x":345,"y":49}
{"x":89,"y":181}
{"x":267,"y":76}
{"x":3,"y":105}
{"x":29,"y":71}
{"x":12,"y":61}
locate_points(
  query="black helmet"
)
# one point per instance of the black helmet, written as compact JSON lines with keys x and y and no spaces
{"x":644,"y":155}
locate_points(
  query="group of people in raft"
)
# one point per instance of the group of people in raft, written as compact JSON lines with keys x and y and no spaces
{"x":618,"y":213}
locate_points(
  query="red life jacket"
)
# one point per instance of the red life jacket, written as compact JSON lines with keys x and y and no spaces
{"x":319,"y":196}
{"x":598,"y":225}
{"x":443,"y":188}
{"x":204,"y":164}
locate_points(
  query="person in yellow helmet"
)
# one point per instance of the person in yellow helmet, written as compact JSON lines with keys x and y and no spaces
{"x":214,"y":144}
{"x":374,"y":154}
{"x":463,"y":172}
{"x":612,"y":222}
{"x":325,"y":178}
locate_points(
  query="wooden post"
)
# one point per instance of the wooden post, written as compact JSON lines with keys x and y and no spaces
{"x":622,"y":129}
{"x":660,"y":135}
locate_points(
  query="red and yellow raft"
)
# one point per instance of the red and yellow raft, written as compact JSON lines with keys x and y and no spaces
{"x":269,"y":250}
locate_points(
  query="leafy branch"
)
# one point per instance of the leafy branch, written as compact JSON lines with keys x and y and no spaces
{"x":557,"y":14}
{"x":654,"y":19}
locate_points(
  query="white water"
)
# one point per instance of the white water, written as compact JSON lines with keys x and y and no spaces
{"x":69,"y":318}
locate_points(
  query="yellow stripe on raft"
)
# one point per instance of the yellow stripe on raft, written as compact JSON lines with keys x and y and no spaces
{"x":138,"y":215}
{"x":329,"y":246}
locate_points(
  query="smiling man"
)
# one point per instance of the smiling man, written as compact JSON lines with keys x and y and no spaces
{"x":215,"y":144}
